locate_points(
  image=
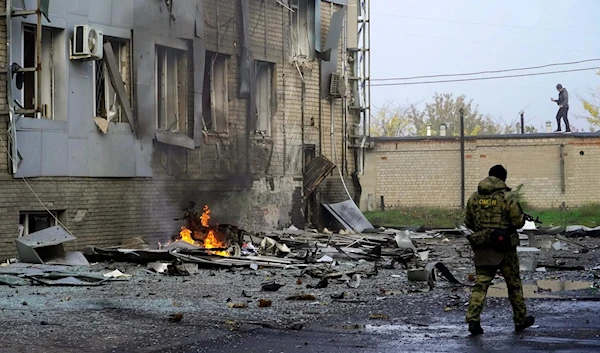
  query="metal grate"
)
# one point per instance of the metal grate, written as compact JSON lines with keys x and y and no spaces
{"x":334,"y":86}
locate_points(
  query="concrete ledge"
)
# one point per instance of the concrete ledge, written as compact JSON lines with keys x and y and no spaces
{"x":488,"y":137}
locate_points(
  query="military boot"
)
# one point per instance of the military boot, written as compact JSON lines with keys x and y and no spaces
{"x":475,"y":328}
{"x":529,"y":321}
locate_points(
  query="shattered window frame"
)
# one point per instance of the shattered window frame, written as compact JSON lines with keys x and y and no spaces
{"x":25,"y":219}
{"x":171,"y":88}
{"x":265,"y":100}
{"x":302,"y":26}
{"x":216,"y":77}
{"x":103,"y":87}
{"x":50,"y":44}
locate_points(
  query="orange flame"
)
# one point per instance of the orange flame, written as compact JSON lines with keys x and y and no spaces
{"x":205,"y":216}
{"x":186,"y":236}
{"x":210,"y":242}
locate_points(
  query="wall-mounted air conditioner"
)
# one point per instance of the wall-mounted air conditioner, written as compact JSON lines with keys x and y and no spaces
{"x":337,"y":86}
{"x":87,"y":43}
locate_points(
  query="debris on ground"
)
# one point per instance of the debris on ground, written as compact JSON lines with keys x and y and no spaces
{"x":175,"y":317}
{"x":264,"y":303}
{"x":301,"y":297}
{"x":271,"y":287}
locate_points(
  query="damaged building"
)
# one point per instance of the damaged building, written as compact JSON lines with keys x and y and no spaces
{"x":114,"y":115}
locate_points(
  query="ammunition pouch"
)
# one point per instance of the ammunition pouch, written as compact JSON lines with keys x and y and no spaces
{"x":500,"y":240}
{"x":479,"y":239}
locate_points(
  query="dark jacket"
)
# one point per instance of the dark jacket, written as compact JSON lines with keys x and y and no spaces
{"x":563,"y":98}
{"x":492,"y":207}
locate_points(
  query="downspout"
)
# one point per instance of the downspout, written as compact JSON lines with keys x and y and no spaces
{"x":302,"y":109}
{"x":13,"y":153}
{"x":283,"y":30}
{"x":462,"y":159}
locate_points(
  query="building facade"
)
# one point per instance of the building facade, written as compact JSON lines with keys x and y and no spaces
{"x":220,"y":102}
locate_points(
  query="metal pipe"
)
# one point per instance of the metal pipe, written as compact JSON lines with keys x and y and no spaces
{"x":368,"y":55}
{"x":38,"y":98}
{"x":284,"y":131}
{"x":562,"y":169}
{"x":462,"y":158}
{"x":9,"y":100}
{"x":302,"y":108}
{"x":522,"y":122}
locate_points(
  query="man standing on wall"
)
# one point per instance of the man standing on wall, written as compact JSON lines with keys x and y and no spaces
{"x":563,"y":107}
{"x":494,"y":215}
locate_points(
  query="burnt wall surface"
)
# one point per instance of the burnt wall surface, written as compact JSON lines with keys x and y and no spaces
{"x":248,"y":180}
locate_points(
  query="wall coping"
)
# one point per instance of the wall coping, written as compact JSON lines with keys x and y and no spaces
{"x":589,"y":135}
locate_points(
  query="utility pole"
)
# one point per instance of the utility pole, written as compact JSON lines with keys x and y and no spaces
{"x":462,"y":158}
{"x":522,"y":122}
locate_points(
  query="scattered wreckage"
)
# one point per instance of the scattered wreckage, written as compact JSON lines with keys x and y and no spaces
{"x":357,"y":251}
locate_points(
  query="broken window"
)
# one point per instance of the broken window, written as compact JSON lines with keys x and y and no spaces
{"x":265,"y":96}
{"x":215,"y":98}
{"x":303,"y":25}
{"x":106,"y":102}
{"x":47,"y":75}
{"x":31,"y":222}
{"x":171,"y":87}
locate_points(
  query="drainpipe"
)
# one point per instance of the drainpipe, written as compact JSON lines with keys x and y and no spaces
{"x":462,"y":158}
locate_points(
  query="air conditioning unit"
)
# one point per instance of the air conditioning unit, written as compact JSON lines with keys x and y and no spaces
{"x":87,"y":43}
{"x":337,"y":86}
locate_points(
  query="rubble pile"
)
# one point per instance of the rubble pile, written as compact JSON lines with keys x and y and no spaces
{"x":349,"y":256}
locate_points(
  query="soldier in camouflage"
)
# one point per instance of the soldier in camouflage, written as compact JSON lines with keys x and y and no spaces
{"x":494,"y":215}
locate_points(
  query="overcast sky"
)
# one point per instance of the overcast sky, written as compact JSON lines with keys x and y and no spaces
{"x":428,"y":37}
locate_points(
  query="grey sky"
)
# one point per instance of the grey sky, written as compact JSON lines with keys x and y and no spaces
{"x":424,"y":37}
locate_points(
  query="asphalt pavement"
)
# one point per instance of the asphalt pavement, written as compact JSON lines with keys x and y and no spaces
{"x":565,"y":326}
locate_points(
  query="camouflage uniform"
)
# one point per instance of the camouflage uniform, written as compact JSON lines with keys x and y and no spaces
{"x":494,"y":210}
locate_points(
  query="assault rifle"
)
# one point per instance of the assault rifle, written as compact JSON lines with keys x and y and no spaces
{"x":531,"y":219}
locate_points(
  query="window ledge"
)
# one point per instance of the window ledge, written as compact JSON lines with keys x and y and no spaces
{"x":41,"y":124}
{"x":212,"y":138}
{"x":259,"y":138}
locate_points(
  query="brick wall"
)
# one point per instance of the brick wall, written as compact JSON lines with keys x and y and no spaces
{"x":426,"y":171}
{"x":103,"y":211}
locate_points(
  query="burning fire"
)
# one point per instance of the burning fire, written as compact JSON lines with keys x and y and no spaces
{"x":211,"y":241}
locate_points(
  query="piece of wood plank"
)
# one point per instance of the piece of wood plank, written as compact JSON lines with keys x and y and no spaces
{"x":117,"y":82}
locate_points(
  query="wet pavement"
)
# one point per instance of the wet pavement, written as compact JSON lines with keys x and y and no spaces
{"x":386,"y":313}
{"x":562,"y":326}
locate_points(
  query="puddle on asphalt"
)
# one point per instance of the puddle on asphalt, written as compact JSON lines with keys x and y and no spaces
{"x":540,"y":289}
